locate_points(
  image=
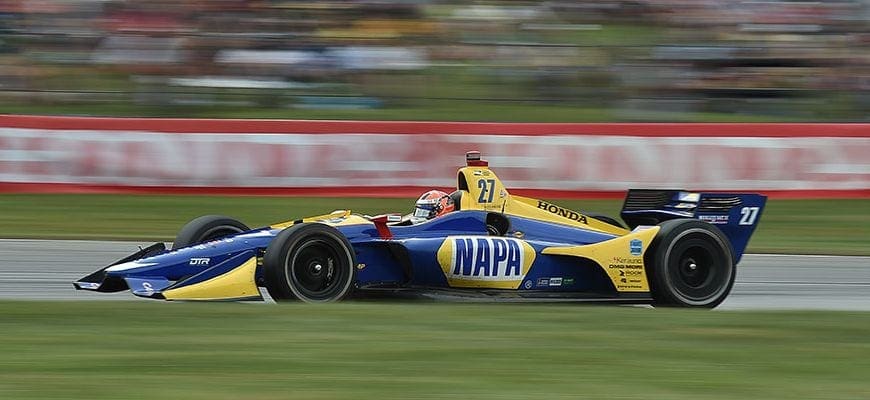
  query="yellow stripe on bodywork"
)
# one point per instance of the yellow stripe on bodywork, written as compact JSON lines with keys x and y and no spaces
{"x":626,"y":271}
{"x":545,"y":211}
{"x":335,"y":218}
{"x":236,"y":284}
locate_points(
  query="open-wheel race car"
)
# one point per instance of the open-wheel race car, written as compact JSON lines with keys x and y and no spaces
{"x":679,"y":248}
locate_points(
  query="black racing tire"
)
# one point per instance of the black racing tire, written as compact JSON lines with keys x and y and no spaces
{"x":606,"y":219}
{"x":207,"y":228}
{"x":690,"y":263}
{"x":311,"y":262}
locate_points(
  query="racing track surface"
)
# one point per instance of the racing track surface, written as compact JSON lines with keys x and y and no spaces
{"x":44,"y":270}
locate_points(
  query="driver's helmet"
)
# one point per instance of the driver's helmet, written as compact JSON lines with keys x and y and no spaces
{"x":432,"y":204}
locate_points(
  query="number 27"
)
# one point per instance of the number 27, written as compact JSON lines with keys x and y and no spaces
{"x":487,"y":187}
{"x":748,"y":215}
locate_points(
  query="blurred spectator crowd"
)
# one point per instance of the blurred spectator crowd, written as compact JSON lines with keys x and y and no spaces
{"x":640,"y":59}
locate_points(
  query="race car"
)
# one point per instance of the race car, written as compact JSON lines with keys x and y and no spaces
{"x":677,"y":248}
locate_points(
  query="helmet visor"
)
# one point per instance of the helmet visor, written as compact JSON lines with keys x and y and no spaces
{"x":424,"y":211}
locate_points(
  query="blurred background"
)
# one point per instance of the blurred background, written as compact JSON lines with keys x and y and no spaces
{"x":642,"y":60}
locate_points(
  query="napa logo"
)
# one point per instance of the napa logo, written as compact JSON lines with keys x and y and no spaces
{"x":488,"y":262}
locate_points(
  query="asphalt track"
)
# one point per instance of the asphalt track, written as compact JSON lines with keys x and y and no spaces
{"x":44,"y":270}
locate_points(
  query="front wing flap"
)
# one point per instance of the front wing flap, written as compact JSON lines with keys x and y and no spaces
{"x":97,"y":281}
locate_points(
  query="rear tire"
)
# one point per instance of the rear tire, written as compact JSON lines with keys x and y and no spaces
{"x":207,"y":228}
{"x":311,"y":262}
{"x":690,"y":263}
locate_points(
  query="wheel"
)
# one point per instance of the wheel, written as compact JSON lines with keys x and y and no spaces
{"x":311,"y":262}
{"x":690,"y":263}
{"x":605,"y":218}
{"x":207,"y":228}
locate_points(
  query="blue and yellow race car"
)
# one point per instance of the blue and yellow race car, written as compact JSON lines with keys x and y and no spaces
{"x":679,"y":248}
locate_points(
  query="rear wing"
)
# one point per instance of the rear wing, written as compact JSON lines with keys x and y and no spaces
{"x":735,"y":214}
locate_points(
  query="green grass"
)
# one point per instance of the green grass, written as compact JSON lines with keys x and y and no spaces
{"x":787,"y":226}
{"x":814,"y":227}
{"x":138,"y":350}
{"x":430,"y":110}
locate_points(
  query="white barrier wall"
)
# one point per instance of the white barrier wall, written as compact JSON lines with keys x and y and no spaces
{"x":586,"y":162}
{"x":538,"y":162}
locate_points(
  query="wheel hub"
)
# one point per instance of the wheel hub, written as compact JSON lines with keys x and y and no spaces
{"x":315,"y":268}
{"x":694,"y":272}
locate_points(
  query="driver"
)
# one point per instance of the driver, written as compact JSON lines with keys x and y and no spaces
{"x":432,"y":204}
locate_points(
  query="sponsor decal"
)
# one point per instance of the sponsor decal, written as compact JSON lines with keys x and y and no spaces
{"x":628,"y":272}
{"x":633,"y":286}
{"x":474,"y":261}
{"x":626,"y":263}
{"x":485,"y":257}
{"x":528,"y":285}
{"x":543,"y":281}
{"x":714,"y":219}
{"x":635,"y":246}
{"x":568,"y":281}
{"x":552,"y":208}
{"x":147,"y":288}
{"x":199,"y":261}
{"x":555,"y":281}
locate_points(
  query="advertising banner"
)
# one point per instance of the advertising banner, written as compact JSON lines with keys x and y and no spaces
{"x":313,"y":157}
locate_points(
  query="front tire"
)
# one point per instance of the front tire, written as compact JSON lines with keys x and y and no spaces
{"x":690,"y":263}
{"x":207,"y":228}
{"x":311,"y":262}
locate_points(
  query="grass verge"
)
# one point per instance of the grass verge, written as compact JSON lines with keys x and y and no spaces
{"x":432,"y":110}
{"x":111,"y":350}
{"x":787,"y":226}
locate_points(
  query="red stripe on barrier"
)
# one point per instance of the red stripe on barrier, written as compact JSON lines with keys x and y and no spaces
{"x":410,"y":192}
{"x":169,"y":125}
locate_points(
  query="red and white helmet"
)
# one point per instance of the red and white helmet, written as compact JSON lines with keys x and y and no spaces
{"x":432,"y":204}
